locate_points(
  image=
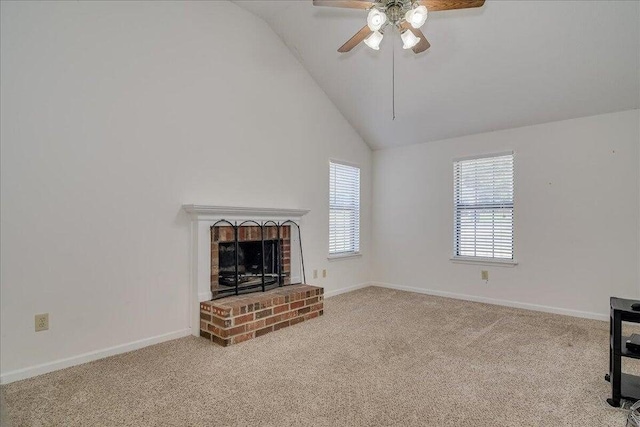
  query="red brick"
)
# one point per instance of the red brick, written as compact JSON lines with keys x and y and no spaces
{"x":280,"y":325}
{"x":222,"y":333}
{"x":261,"y":332}
{"x":274,"y":319}
{"x":297,"y":304}
{"x":243,"y":319}
{"x":237,"y":330}
{"x":263,"y":313}
{"x":296,"y":320}
{"x":221,"y":312}
{"x":223,"y":323}
{"x":280,"y":308}
{"x":256,"y":325}
{"x":317,"y":307}
{"x":241,"y":338}
{"x":304,"y":310}
{"x":310,"y":301}
{"x":220,"y":341}
{"x":266,"y":303}
{"x":290,"y":314}
{"x":311,"y":315}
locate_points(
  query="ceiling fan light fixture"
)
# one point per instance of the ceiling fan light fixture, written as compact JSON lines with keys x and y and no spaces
{"x":409,"y":39}
{"x":376,"y":19}
{"x":373,"y":41}
{"x":416,"y":17}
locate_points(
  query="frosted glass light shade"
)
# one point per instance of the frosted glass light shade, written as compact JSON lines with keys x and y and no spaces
{"x":416,"y":17}
{"x":376,"y":19}
{"x":373,"y":41}
{"x":409,"y":39}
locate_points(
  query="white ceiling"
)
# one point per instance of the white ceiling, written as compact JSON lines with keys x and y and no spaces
{"x":507,"y":64}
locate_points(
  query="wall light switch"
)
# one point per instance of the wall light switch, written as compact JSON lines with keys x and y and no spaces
{"x":315,"y":274}
{"x":324,"y":273}
{"x":485,"y":275}
{"x":42,"y":322}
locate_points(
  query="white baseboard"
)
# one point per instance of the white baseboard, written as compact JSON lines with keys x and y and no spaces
{"x":507,"y":303}
{"x":32,"y":371}
{"x":21,"y":374}
{"x":335,"y":292}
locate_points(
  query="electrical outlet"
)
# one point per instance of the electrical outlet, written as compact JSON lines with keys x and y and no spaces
{"x":485,"y":275}
{"x":324,"y":273}
{"x":42,"y":322}
{"x":315,"y":274}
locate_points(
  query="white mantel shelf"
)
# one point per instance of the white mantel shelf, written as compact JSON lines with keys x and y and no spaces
{"x":209,"y":211}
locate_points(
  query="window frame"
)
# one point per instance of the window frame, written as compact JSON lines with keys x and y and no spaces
{"x":505,"y":262}
{"x":350,"y":254}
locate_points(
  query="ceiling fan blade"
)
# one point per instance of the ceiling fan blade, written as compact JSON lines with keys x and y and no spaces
{"x":423,"y":44}
{"x":356,"y":39}
{"x":350,"y":4}
{"x":433,"y":5}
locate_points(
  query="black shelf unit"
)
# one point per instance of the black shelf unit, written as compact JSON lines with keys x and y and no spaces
{"x":623,"y":386}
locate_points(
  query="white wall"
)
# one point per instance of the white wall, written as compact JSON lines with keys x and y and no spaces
{"x":576,"y":216}
{"x":114,"y":114}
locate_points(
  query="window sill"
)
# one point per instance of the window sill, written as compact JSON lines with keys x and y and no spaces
{"x":484,"y":261}
{"x":335,"y":257}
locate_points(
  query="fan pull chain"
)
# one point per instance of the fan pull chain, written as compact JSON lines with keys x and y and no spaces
{"x":393,"y":78}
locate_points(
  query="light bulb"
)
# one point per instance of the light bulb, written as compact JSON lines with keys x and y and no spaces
{"x":416,"y":17}
{"x":376,"y":19}
{"x":373,"y":41}
{"x":409,"y":39}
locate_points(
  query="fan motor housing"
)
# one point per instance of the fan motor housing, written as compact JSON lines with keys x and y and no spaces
{"x":395,"y":9}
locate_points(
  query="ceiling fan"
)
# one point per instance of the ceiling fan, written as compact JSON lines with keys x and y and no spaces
{"x":407,"y":16}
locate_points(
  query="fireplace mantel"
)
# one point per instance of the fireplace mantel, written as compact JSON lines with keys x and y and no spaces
{"x":208,"y":212}
{"x":202,"y":218}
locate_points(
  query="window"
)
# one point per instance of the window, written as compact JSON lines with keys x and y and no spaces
{"x":483,"y":208}
{"x":344,"y":209}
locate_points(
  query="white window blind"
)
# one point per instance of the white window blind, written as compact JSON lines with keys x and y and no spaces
{"x":483,"y":207}
{"x":344,"y":209}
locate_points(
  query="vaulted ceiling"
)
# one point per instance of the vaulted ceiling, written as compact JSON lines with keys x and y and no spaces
{"x":505,"y":65}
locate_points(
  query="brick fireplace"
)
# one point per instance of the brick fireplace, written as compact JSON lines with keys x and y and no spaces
{"x":211,"y":275}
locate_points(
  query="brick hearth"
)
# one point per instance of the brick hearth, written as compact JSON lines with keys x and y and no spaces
{"x":239,"y":318}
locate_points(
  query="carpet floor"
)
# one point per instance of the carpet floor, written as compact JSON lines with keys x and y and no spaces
{"x":378,"y":357}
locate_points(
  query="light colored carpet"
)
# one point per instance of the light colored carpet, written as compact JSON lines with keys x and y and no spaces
{"x":378,"y":357}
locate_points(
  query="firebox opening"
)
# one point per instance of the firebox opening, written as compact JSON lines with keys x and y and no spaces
{"x":249,"y":260}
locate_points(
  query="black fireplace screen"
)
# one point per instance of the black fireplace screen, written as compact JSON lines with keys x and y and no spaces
{"x":252,"y":266}
{"x":250,"y":260}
